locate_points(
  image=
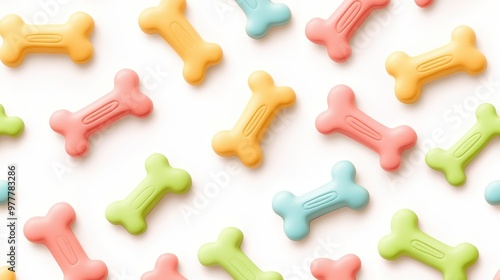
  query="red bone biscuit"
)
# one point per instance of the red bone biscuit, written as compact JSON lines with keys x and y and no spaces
{"x":343,"y":116}
{"x":336,"y":32}
{"x":345,"y":268}
{"x":54,"y":231}
{"x":125,"y":99}
{"x":165,"y":269}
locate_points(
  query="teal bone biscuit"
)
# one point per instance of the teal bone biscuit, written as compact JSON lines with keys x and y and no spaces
{"x":342,"y":191}
{"x":226,"y":252}
{"x":406,"y":239}
{"x":262,"y":15}
{"x":452,"y":162}
{"x":161,"y":178}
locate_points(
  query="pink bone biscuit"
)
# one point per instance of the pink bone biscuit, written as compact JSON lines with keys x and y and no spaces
{"x":343,"y":116}
{"x":345,"y":268}
{"x":125,"y":99}
{"x":54,"y":231}
{"x":165,"y":269}
{"x":424,"y":3}
{"x":336,"y":32}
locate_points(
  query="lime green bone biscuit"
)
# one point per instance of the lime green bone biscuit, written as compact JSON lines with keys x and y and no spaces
{"x":406,"y":239}
{"x":226,"y":252}
{"x":11,"y":126}
{"x":453,"y":161}
{"x":161,"y":178}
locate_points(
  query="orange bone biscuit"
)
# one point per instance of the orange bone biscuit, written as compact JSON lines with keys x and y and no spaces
{"x":71,"y":38}
{"x":169,"y":21}
{"x":244,"y":139}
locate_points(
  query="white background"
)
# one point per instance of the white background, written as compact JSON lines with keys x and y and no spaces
{"x":297,"y":157}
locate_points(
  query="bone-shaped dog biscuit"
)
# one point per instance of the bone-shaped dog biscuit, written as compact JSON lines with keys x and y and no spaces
{"x":411,"y":73}
{"x":72,"y":38}
{"x":4,"y":193}
{"x":169,"y":21}
{"x":161,"y":178}
{"x":492,"y":193}
{"x":244,"y":139}
{"x":6,"y":274}
{"x":11,"y":126}
{"x":336,"y":32}
{"x":345,"y":268}
{"x":343,"y":116}
{"x":406,"y":239}
{"x":497,"y":276}
{"x":54,"y":231}
{"x":125,"y":99}
{"x":341,"y":191}
{"x":226,"y":253}
{"x":165,"y":269}
{"x":424,"y":3}
{"x":262,"y":15}
{"x":453,"y":161}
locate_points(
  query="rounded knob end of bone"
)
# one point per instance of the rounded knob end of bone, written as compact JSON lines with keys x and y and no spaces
{"x":441,"y":160}
{"x":6,"y":274}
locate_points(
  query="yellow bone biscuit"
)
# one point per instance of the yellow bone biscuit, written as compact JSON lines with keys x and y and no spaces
{"x":71,"y":38}
{"x":244,"y":139}
{"x":169,"y":21}
{"x":411,"y":73}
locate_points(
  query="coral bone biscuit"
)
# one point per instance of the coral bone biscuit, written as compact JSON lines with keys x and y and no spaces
{"x":452,"y":162}
{"x":406,"y":239}
{"x":11,"y":126}
{"x":411,"y":73}
{"x":244,"y":139}
{"x":165,"y":269}
{"x":343,"y":116}
{"x":161,"y":178}
{"x":346,"y":268}
{"x":262,"y":15}
{"x":424,"y":3}
{"x":125,"y":99}
{"x":336,"y":31}
{"x":169,"y":21}
{"x":226,"y":252}
{"x":6,"y":274}
{"x":341,"y":191}
{"x":71,"y":38}
{"x":54,"y":231}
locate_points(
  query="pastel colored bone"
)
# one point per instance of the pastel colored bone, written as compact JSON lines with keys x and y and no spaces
{"x":336,"y":31}
{"x":411,"y":73}
{"x":4,"y":193}
{"x":345,"y":268}
{"x":226,"y":253}
{"x":262,"y":15}
{"x":11,"y":126}
{"x":169,"y":21}
{"x":6,"y":274}
{"x":341,"y":191}
{"x":244,"y":139}
{"x":424,"y":3}
{"x":125,"y":99}
{"x":343,"y":116}
{"x":492,"y":193}
{"x":72,"y":38}
{"x":161,"y":178}
{"x":165,"y":269}
{"x":54,"y":231}
{"x":406,"y":239}
{"x":453,"y":161}
{"x":497,"y":276}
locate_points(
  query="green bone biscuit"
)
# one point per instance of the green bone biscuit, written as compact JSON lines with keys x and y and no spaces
{"x":226,"y":252}
{"x":408,"y":240}
{"x":161,"y":178}
{"x":453,"y":161}
{"x":11,"y":126}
